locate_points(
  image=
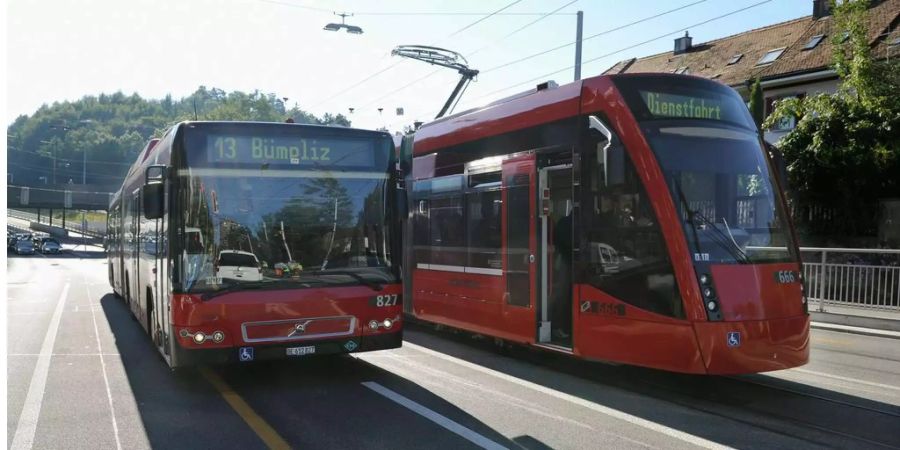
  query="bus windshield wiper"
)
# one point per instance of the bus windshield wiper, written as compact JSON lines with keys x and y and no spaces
{"x":237,"y":286}
{"x":374,"y":285}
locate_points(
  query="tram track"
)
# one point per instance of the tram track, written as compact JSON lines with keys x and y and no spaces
{"x":722,"y":401}
{"x":795,"y":411}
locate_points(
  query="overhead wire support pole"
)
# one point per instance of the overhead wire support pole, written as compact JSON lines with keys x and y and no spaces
{"x":444,"y":58}
{"x":578,"y":29}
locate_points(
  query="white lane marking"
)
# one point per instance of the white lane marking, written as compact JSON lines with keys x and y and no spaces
{"x":65,"y":354}
{"x":469,"y":388}
{"x":31,"y":410}
{"x":615,"y":413}
{"x":847,"y":379}
{"x":112,"y":411}
{"x":443,"y":421}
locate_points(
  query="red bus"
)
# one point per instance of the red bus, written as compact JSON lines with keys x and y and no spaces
{"x":628,"y":218}
{"x":235,"y":241}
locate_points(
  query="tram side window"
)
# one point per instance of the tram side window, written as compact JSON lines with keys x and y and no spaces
{"x":483,"y":229}
{"x":421,"y":236}
{"x":447,"y":231}
{"x":627,"y":256}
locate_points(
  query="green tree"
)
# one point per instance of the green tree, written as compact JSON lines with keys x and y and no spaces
{"x":112,"y":128}
{"x":757,"y":103}
{"x":844,"y":154}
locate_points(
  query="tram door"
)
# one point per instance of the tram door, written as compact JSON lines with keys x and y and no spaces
{"x":520,"y":259}
{"x":556,"y":217}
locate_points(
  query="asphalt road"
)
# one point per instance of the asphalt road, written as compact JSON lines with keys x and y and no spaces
{"x":82,"y":374}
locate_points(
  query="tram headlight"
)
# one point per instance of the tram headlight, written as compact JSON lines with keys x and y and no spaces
{"x":705,"y":279}
{"x":199,"y":337}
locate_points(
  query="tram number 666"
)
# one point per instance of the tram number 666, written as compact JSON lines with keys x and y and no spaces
{"x":785,"y":276}
{"x":384,"y":300}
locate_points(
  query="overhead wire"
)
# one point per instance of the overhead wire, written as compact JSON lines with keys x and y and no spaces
{"x":403,"y":13}
{"x":560,"y":47}
{"x":434,"y":72}
{"x":78,"y":160}
{"x":678,"y":31}
{"x":630,"y":24}
{"x":379,"y":72}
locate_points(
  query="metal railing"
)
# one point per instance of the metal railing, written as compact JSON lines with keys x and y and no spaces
{"x":857,"y":277}
{"x":92,"y":229}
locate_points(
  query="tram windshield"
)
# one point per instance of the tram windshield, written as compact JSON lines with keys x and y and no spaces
{"x":720,"y":180}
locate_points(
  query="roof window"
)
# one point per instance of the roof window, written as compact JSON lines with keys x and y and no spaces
{"x":813,"y":42}
{"x":681,"y":70}
{"x":770,"y":56}
{"x":734,"y":59}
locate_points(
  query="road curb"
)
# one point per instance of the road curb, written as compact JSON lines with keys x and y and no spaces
{"x":855,"y":330}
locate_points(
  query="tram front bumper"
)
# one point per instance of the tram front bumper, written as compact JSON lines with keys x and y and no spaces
{"x":730,"y":348}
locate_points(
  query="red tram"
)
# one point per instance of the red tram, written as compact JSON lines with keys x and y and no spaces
{"x":626,"y":218}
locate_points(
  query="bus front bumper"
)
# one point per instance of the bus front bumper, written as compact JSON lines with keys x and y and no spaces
{"x":350,"y":344}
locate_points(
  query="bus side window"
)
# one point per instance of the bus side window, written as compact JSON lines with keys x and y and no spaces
{"x":628,"y":257}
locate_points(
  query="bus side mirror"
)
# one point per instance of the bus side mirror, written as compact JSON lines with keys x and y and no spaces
{"x":153,"y":191}
{"x":152,"y":199}
{"x":595,"y":123}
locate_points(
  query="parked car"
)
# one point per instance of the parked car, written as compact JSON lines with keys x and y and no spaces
{"x":48,"y":245}
{"x":238,"y":265}
{"x":24,"y":247}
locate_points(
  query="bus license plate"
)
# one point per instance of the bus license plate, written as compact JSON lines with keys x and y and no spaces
{"x":301,"y":351}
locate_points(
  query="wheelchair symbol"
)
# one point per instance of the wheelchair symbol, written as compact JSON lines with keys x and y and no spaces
{"x":734,"y":339}
{"x":246,"y":354}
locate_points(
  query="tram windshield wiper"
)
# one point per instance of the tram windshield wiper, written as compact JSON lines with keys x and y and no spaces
{"x":726,"y":242}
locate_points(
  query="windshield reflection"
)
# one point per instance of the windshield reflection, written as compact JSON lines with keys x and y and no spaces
{"x":722,"y":187}
{"x":295,"y":228}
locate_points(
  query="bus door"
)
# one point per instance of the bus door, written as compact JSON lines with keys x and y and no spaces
{"x":519,"y":225}
{"x":556,"y":213}
{"x":159,"y":316}
{"x":133,"y":291}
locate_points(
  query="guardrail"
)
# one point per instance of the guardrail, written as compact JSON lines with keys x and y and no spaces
{"x":95,"y":232}
{"x":857,"y":277}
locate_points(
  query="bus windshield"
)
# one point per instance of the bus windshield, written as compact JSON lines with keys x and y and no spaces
{"x":291,"y":210}
{"x":721,"y":183}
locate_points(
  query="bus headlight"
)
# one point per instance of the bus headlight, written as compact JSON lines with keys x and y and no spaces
{"x":711,"y":305}
{"x":199,"y":337}
{"x":388,"y":323}
{"x":708,"y":293}
{"x":373,"y":324}
{"x":218,"y":336}
{"x":705,"y":279}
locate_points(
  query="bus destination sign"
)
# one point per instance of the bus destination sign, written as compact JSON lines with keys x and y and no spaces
{"x":682,"y":106}
{"x":290,"y":150}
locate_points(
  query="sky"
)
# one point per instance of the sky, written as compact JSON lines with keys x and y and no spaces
{"x":59,"y":50}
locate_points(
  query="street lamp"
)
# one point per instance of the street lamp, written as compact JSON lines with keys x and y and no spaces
{"x":352,"y":29}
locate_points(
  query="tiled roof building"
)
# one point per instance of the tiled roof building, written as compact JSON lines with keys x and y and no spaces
{"x":790,"y":45}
